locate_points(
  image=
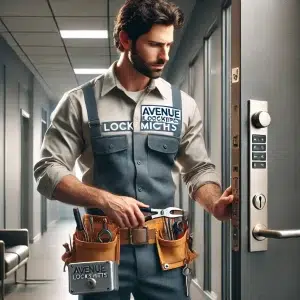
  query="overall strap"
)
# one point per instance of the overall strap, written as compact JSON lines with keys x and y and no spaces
{"x":92,"y":111}
{"x":177,"y":103}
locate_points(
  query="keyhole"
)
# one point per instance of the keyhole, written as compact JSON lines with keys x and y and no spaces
{"x":259,"y":201}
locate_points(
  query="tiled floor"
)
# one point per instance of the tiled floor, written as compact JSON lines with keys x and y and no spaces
{"x":44,"y":263}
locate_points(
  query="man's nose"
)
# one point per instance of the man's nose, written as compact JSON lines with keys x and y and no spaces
{"x":164,"y":54}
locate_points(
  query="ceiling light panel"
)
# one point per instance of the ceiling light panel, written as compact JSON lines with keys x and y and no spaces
{"x":84,"y":34}
{"x":86,"y":42}
{"x":89,"y":71}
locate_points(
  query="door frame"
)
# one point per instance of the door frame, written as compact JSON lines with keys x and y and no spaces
{"x":25,"y":115}
{"x":44,"y":206}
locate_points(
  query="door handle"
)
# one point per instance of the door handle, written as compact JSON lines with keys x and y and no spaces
{"x":260,"y":232}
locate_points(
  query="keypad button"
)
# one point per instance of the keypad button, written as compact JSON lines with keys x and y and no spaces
{"x":259,"y":138}
{"x":259,"y":147}
{"x":259,"y":156}
{"x":259,"y":165}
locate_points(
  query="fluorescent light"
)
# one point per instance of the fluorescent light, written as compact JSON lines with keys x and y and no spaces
{"x":90,"y":71}
{"x":84,"y":34}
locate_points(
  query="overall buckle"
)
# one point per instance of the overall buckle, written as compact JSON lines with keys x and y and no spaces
{"x":138,"y":236}
{"x":93,"y":123}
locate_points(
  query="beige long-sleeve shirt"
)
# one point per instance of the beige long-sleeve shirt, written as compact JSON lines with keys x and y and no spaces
{"x":68,"y":136}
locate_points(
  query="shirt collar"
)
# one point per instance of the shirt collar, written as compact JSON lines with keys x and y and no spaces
{"x":110,"y":81}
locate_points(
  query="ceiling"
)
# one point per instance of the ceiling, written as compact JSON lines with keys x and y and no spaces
{"x":31,"y":28}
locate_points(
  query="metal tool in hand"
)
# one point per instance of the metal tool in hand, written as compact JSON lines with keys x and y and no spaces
{"x":105,"y":235}
{"x":158,"y":213}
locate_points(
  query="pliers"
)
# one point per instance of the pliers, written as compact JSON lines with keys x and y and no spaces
{"x":158,"y":213}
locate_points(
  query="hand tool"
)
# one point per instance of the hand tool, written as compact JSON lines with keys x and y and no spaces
{"x":178,"y":229}
{"x":92,"y":228}
{"x":167,"y":229}
{"x":158,"y":213}
{"x":67,"y":247}
{"x":70,"y":242}
{"x":104,"y":233}
{"x":186,"y":271}
{"x":79,"y":224}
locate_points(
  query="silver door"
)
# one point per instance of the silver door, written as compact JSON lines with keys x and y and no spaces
{"x":265,"y":77}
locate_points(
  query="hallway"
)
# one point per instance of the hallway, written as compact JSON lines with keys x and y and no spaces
{"x":44,"y":263}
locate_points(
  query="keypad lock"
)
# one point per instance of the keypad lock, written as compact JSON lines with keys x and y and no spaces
{"x":259,"y":120}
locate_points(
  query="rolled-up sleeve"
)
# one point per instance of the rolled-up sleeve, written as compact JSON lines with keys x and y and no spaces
{"x":62,"y":144}
{"x":195,"y":165}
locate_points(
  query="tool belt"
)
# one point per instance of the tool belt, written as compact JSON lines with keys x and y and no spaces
{"x":95,"y":244}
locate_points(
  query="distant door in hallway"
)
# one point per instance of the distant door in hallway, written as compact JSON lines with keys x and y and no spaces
{"x":24,"y":169}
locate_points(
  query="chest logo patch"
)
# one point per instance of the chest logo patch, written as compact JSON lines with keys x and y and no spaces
{"x":160,"y":118}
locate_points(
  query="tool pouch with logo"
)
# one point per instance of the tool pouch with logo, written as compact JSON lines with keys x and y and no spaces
{"x":174,"y":253}
{"x":86,"y":249}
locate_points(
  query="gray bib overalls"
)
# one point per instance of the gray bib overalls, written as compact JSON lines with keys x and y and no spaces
{"x":137,"y":165}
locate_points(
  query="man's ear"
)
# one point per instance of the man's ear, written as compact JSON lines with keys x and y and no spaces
{"x":124,"y":40}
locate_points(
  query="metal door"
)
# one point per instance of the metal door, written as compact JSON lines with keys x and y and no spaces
{"x":266,"y":151}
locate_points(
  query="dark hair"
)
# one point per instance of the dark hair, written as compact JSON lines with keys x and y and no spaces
{"x":136,"y":17}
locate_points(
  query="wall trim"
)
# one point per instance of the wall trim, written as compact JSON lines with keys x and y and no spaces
{"x":204,"y":295}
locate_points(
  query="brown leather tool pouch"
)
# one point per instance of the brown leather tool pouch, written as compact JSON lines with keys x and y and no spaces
{"x":174,"y":253}
{"x":96,"y":251}
{"x":83,"y":250}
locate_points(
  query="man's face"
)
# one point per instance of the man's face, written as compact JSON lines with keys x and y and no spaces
{"x":150,"y":53}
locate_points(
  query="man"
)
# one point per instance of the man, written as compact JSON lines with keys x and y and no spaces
{"x":128,"y":128}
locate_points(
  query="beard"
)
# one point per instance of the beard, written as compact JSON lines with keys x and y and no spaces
{"x":142,"y":66}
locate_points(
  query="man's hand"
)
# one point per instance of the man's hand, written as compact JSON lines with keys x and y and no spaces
{"x":124,"y":211}
{"x":222,"y":208}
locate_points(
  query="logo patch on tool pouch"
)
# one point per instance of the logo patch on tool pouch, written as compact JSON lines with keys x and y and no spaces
{"x":160,"y":118}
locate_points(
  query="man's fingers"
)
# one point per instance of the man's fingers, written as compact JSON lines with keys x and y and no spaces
{"x":227,"y":192}
{"x":126,"y":221}
{"x":132,"y":218}
{"x":141,"y":204}
{"x":119,"y":221}
{"x":139,"y":216}
{"x":227,"y":200}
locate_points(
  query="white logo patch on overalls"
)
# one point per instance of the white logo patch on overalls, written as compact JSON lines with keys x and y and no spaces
{"x":160,"y":118}
{"x":153,"y":118}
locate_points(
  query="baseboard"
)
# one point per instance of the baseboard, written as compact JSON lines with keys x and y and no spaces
{"x":36,"y":238}
{"x":198,"y":293}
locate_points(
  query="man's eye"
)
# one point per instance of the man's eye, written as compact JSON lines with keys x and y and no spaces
{"x":154,"y":44}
